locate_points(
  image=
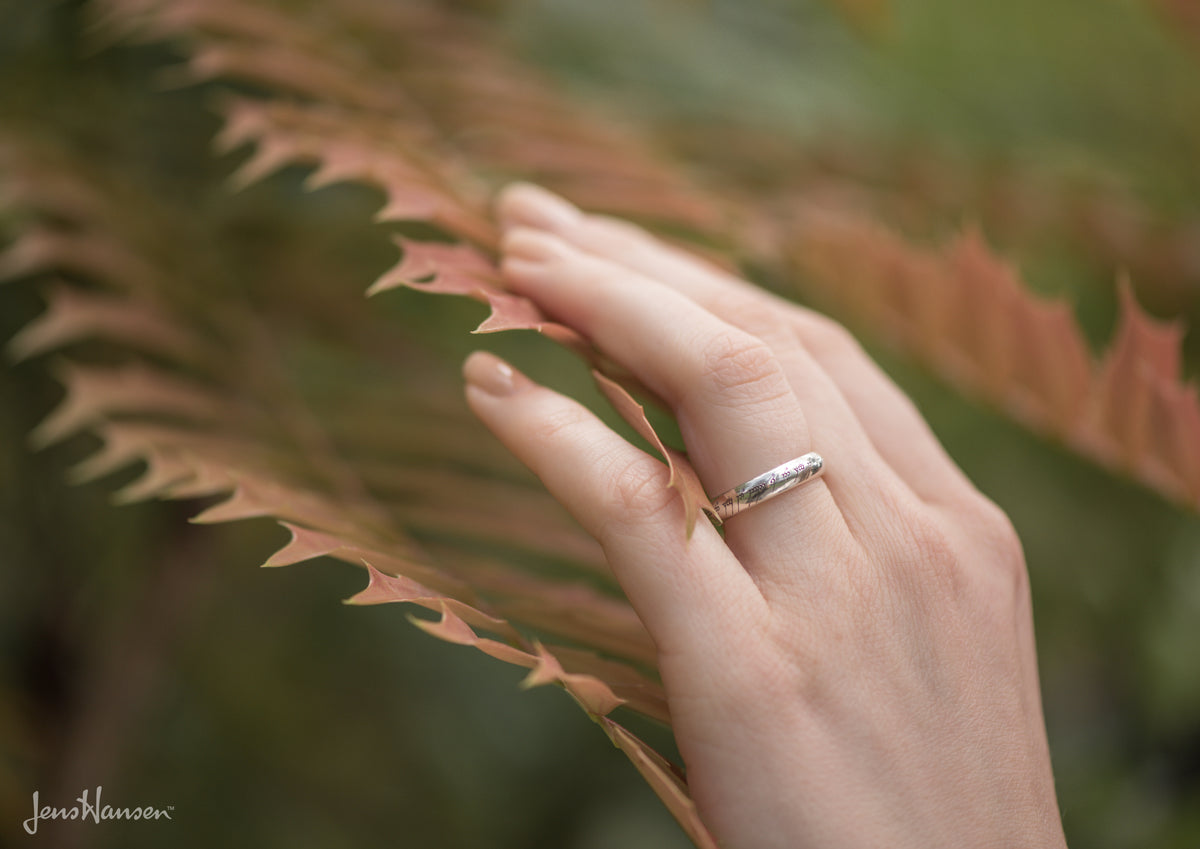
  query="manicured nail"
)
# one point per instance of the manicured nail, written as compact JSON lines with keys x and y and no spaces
{"x":528,"y":205}
{"x":531,"y":245}
{"x":492,"y":375}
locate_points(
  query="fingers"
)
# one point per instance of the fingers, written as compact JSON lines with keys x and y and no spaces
{"x":526,"y":205}
{"x":895,"y":426}
{"x":620,"y":495}
{"x":735,"y":406}
{"x":890,"y":421}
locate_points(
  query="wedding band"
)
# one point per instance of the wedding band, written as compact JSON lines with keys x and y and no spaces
{"x":767,"y":485}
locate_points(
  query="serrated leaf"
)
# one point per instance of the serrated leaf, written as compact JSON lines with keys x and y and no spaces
{"x":967,"y":316}
{"x":664,"y":781}
{"x":443,"y":269}
{"x":73,"y":316}
{"x":413,"y":100}
{"x":94,"y":394}
{"x":684,"y":479}
{"x":388,"y":589}
{"x":593,"y":695}
{"x":453,"y":629}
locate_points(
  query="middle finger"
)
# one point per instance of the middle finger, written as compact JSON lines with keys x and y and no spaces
{"x":736,"y":408}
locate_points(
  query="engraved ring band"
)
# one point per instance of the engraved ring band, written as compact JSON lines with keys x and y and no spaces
{"x":769,"y":484}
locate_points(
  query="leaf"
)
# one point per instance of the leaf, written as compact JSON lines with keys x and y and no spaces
{"x":1136,"y":386}
{"x":94,"y":394}
{"x":387,"y":589}
{"x":39,"y":250}
{"x":451,"y":269}
{"x":637,"y":691}
{"x":1182,"y":17}
{"x":967,"y":316}
{"x":359,"y":148}
{"x":593,"y":695}
{"x":420,"y":103}
{"x":684,"y":479}
{"x":453,"y":629}
{"x":73,"y":316}
{"x":870,"y":15}
{"x":662,"y":779}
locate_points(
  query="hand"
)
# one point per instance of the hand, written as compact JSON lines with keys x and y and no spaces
{"x":853,"y":663}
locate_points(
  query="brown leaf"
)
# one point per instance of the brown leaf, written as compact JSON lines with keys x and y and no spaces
{"x":516,"y":312}
{"x":451,"y":269}
{"x":1175,"y":436}
{"x":593,"y":695}
{"x":257,"y":496}
{"x":164,"y":470}
{"x":1137,"y":381}
{"x":401,"y":559}
{"x":562,"y":606}
{"x":91,"y":255}
{"x":968,"y":316}
{"x":388,"y":589}
{"x":453,"y":629}
{"x":362,"y":147}
{"x":639,"y":692}
{"x":667,"y":785}
{"x":1183,"y":18}
{"x":684,"y":479}
{"x":95,"y":393}
{"x":74,"y":316}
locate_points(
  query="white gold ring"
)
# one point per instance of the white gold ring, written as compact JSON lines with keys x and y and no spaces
{"x":769,"y":484}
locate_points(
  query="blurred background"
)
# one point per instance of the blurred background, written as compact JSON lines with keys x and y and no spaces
{"x":149,"y":656}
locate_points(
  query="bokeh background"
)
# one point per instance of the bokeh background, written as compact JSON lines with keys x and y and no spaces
{"x":150,"y":656}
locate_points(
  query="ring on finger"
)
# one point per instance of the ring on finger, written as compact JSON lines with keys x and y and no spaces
{"x":769,"y":484}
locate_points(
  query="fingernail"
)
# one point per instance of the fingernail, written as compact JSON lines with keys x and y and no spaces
{"x":492,"y":375}
{"x":521,"y":242}
{"x":532,"y":206}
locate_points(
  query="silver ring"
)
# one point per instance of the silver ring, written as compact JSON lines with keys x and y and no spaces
{"x":769,"y":484}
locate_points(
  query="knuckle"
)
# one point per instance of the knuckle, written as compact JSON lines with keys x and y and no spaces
{"x":555,"y":425}
{"x":824,"y":337}
{"x":998,"y":537}
{"x":737,"y":366}
{"x":638,"y":491}
{"x":605,"y":226}
{"x":922,"y":555}
{"x":979,"y":558}
{"x":930,"y":543}
{"x":756,"y":318}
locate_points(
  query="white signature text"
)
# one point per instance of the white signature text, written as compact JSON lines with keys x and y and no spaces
{"x":84,"y":809}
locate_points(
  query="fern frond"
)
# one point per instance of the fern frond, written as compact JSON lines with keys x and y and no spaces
{"x":426,"y":106}
{"x":966,"y":315}
{"x":450,"y":528}
{"x":997,"y":354}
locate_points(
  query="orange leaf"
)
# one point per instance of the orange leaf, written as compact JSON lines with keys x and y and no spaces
{"x":94,"y":393}
{"x":968,"y":316}
{"x":667,"y":785}
{"x":684,"y":479}
{"x":453,"y":269}
{"x":73,"y":316}
{"x":388,"y":589}
{"x":593,"y":695}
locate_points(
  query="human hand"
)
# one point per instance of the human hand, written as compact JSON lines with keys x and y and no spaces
{"x":853,"y":663}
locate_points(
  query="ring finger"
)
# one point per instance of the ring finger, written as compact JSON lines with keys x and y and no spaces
{"x":735,"y":406}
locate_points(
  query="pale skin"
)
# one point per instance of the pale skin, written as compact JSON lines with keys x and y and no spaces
{"x":853,"y":663}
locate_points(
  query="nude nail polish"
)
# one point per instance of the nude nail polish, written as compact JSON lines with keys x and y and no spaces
{"x":490,"y":374}
{"x":538,"y":208}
